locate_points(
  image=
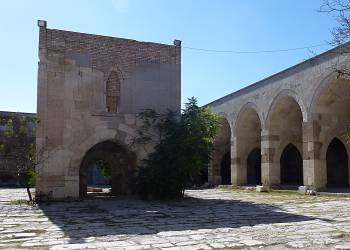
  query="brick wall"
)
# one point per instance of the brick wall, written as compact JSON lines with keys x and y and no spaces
{"x":104,"y":53}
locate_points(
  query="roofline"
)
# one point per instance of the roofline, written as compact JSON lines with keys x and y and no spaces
{"x":12,"y":113}
{"x":265,"y":81}
{"x":112,"y":37}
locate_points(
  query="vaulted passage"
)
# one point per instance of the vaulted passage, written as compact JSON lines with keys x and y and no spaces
{"x":112,"y":160}
{"x":247,"y":153}
{"x":254,"y":167}
{"x":337,"y":164}
{"x":225,"y":169}
{"x":219,"y":171}
{"x":285,"y":138}
{"x":291,"y":166}
{"x":331,"y":120}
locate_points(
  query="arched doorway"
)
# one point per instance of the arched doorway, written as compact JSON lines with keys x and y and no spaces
{"x":254,"y":167}
{"x":285,"y":127}
{"x":116,"y":162}
{"x":225,"y":169}
{"x":247,"y":136}
{"x":291,"y":166}
{"x":337,"y":164}
{"x":330,"y":110}
{"x":220,"y":164}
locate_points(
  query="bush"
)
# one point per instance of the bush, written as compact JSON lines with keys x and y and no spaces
{"x":183,"y":147}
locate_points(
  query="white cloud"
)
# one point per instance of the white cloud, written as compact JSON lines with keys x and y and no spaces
{"x":121,"y":5}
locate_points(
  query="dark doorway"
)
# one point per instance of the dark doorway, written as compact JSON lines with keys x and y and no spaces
{"x":115,"y":163}
{"x":254,"y":167}
{"x":291,"y":166}
{"x":225,"y":170}
{"x":337,"y":164}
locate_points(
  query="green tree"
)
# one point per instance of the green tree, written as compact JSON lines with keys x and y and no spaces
{"x":183,"y":147}
{"x":17,"y":148}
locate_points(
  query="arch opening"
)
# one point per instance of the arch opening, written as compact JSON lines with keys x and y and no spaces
{"x":225,"y":169}
{"x":221,"y":158}
{"x":291,"y":165}
{"x":285,"y":125}
{"x":111,"y":164}
{"x":254,"y":167}
{"x":337,"y":164}
{"x":330,"y":111}
{"x":248,"y":142}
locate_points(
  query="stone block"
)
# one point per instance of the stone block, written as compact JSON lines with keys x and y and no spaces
{"x":306,"y":190}
{"x":262,"y":189}
{"x":302,"y":189}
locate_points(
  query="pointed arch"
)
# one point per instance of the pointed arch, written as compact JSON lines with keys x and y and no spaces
{"x":254,"y":167}
{"x":291,"y":165}
{"x":282,"y":94}
{"x":115,"y":159}
{"x":220,"y":167}
{"x":314,"y":99}
{"x":247,"y":134}
{"x":337,"y":161}
{"x":247,"y":106}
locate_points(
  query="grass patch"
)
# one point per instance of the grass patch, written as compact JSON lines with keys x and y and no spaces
{"x":37,"y":231}
{"x":19,"y":202}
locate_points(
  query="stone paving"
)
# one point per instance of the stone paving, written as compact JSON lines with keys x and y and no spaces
{"x":206,"y":219}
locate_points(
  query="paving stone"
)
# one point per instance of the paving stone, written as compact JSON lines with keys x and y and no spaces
{"x":343,"y":246}
{"x":23,"y":235}
{"x":251,"y":243}
{"x":207,"y":219}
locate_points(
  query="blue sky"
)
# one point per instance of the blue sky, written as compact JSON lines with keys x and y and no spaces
{"x":244,"y":25}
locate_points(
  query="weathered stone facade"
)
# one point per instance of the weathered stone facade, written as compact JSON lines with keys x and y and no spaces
{"x":13,"y":147}
{"x":90,"y":90}
{"x":297,"y":119}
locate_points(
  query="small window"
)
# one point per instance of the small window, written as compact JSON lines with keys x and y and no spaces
{"x":113,"y":92}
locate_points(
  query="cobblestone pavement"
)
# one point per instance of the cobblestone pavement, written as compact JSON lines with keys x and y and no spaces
{"x":206,"y":219}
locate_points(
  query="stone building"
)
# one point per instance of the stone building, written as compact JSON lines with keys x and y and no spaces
{"x":90,"y":90}
{"x":287,"y":129}
{"x":14,"y":147}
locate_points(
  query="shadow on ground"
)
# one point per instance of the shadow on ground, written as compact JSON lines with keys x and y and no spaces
{"x":101,"y":217}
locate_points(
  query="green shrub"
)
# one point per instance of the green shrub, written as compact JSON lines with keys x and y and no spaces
{"x":183,"y":147}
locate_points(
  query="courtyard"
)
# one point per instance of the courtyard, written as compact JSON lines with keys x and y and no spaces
{"x":205,"y":219}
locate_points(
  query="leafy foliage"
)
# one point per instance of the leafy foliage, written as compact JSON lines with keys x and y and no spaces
{"x":105,"y":168}
{"x":17,"y":147}
{"x":183,"y":147}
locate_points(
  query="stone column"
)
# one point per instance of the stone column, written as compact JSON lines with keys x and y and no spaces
{"x":270,"y":167}
{"x":314,"y":165}
{"x":214,"y":177}
{"x":238,"y":171}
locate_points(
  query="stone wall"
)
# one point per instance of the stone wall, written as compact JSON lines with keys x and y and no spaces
{"x":90,"y":90}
